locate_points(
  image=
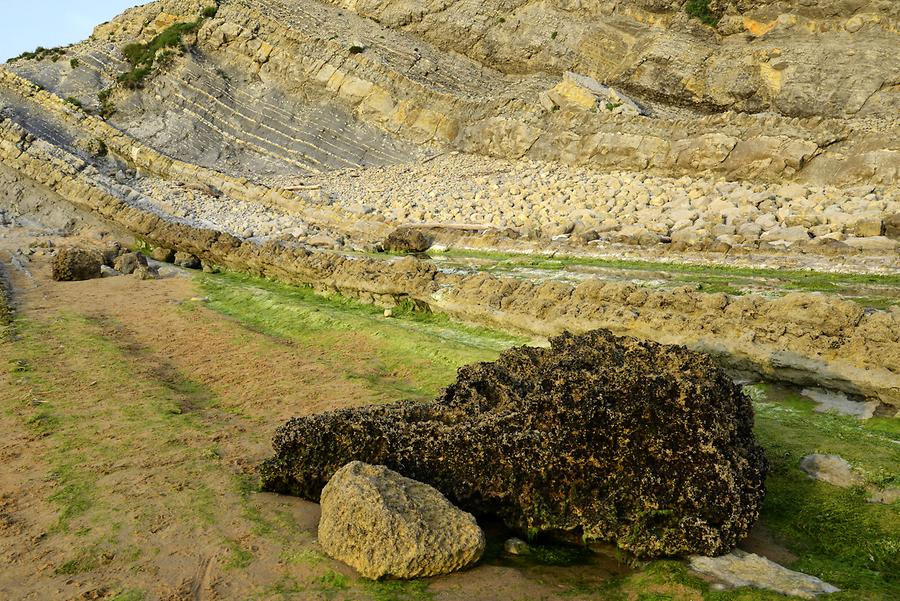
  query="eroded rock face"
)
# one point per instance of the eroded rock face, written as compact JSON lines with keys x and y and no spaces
{"x":385,"y":525}
{"x":75,"y":264}
{"x":646,"y":445}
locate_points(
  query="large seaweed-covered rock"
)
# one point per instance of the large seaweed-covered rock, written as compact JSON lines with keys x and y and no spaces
{"x":646,"y":445}
{"x":75,"y":264}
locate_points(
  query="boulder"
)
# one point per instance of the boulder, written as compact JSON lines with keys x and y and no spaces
{"x":892,"y":226}
{"x":646,"y":445}
{"x":129,"y":262}
{"x":75,"y":264}
{"x":738,"y":569}
{"x":146,"y":272}
{"x":586,"y":93}
{"x":111,"y":253}
{"x":407,"y":240}
{"x":833,"y":469}
{"x":163,"y":255}
{"x":187,"y":260}
{"x":387,"y":526}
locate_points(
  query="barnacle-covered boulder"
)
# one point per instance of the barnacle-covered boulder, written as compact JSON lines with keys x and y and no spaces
{"x":646,"y":445}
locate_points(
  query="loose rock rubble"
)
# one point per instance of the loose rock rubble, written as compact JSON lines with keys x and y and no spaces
{"x":544,"y":200}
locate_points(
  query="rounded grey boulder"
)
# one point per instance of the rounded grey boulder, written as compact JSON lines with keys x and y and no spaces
{"x":387,"y":526}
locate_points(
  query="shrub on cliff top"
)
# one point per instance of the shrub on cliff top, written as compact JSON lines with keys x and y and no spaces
{"x":699,"y":9}
{"x":141,"y":57}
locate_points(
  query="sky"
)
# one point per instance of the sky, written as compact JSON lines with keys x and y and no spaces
{"x":27,"y":24}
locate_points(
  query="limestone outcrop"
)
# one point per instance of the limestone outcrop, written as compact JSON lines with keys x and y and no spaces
{"x":738,"y":568}
{"x":644,"y":445}
{"x":387,"y":526}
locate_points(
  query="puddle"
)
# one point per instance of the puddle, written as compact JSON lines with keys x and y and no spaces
{"x":819,"y":399}
{"x":838,"y":402}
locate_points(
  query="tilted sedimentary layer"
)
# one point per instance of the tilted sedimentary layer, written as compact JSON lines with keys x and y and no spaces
{"x":303,"y":87}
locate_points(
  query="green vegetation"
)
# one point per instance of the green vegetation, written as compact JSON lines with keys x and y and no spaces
{"x":142,"y":57}
{"x":708,"y":278}
{"x":238,"y":557}
{"x":553,"y":35}
{"x":75,"y":102}
{"x":413,"y":354}
{"x":836,"y":533}
{"x":107,"y":107}
{"x":100,"y":148}
{"x":40,"y":53}
{"x":74,"y":63}
{"x":396,"y":590}
{"x":209,"y":12}
{"x":699,"y":9}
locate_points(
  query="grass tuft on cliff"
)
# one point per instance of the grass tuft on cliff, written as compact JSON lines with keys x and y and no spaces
{"x":142,"y":57}
{"x":699,"y":9}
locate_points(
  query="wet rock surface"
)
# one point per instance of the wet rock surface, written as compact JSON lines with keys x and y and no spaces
{"x":833,"y":469}
{"x":738,"y":569}
{"x":645,"y":445}
{"x":387,"y":526}
{"x":75,"y":264}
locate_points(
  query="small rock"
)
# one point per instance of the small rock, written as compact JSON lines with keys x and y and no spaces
{"x":146,"y":272}
{"x":867,"y":226}
{"x":516,"y":546}
{"x":129,"y":262}
{"x":833,"y":469}
{"x":885,"y":497}
{"x":407,"y":240}
{"x":108,"y":272}
{"x":738,"y":568}
{"x":388,"y":313}
{"x":385,"y":525}
{"x":873,"y":243}
{"x":187,"y":260}
{"x":112,"y":252}
{"x":853,"y":24}
{"x":75,"y":264}
{"x":322,"y":241}
{"x":892,"y":226}
{"x":798,"y":233}
{"x":163,"y":255}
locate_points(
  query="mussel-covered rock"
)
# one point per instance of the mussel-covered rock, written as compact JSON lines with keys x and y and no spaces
{"x":646,"y":445}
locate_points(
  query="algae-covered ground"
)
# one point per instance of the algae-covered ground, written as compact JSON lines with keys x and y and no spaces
{"x":877,"y":291}
{"x":136,"y":413}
